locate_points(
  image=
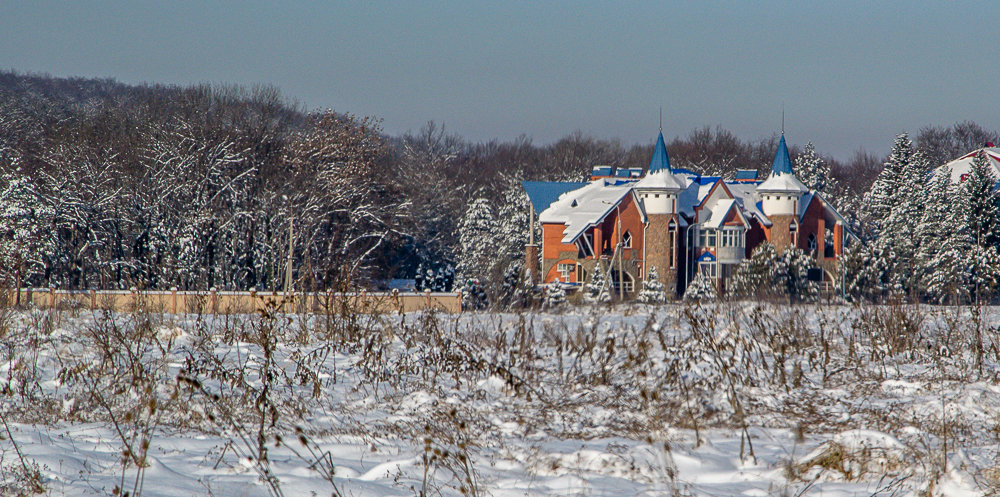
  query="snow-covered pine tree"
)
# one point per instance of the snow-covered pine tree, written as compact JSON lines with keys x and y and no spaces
{"x":477,"y":235}
{"x":596,"y":291}
{"x":934,"y":228}
{"x":511,"y":286}
{"x":893,"y":207}
{"x":652,"y":291}
{"x":753,"y":276}
{"x":790,"y":274}
{"x":419,"y":279}
{"x":701,"y":289}
{"x":444,"y":280}
{"x":983,"y":265}
{"x":814,"y":172}
{"x":555,"y":295}
{"x":880,"y":199}
{"x":982,"y":203}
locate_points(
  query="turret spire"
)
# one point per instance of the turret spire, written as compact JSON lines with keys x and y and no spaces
{"x":660,"y":160}
{"x":782,"y":162}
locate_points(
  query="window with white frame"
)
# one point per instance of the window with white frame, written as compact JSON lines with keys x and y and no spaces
{"x":812,"y":242}
{"x":627,"y":240}
{"x":708,"y":269}
{"x":732,"y":237}
{"x":565,"y":269}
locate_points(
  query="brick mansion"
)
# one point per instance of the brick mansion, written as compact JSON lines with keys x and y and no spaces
{"x":678,"y":221}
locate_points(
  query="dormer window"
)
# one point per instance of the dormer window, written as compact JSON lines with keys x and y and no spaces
{"x":627,"y":240}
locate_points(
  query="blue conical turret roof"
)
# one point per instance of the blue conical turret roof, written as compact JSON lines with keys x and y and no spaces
{"x":660,"y":160}
{"x":782,"y":163}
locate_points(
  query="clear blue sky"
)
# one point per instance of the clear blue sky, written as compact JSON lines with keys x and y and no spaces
{"x":849,"y":74}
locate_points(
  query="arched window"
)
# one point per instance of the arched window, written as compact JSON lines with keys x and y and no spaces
{"x":812,"y":242}
{"x":672,"y":244}
{"x":627,"y":240}
{"x":793,"y":234}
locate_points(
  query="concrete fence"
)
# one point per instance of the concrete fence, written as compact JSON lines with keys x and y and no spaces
{"x":219,"y":302}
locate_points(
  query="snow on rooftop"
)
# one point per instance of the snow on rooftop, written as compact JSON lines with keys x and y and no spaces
{"x":748,"y":200}
{"x":782,"y":182}
{"x":718,"y":212}
{"x":664,"y":180}
{"x":961,"y":166}
{"x":585,"y":207}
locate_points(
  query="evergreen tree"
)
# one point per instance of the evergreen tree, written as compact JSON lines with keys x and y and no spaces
{"x":701,"y":289}
{"x":596,"y":291}
{"x":982,"y":203}
{"x":935,"y":227}
{"x":652,"y":290}
{"x":894,"y":205}
{"x":983,"y":265}
{"x":555,"y":295}
{"x":814,"y":172}
{"x":790,"y":275}
{"x":865,"y":271}
{"x":753,"y":276}
{"x":511,"y":287}
{"x":477,"y":233}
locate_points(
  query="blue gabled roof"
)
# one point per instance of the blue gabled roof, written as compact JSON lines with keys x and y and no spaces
{"x":660,"y":160}
{"x":706,"y":257}
{"x":746,"y":174}
{"x":543,"y":193}
{"x":782,"y":163}
{"x":707,"y":180}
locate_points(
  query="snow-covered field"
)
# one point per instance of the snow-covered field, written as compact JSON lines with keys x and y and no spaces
{"x":727,"y":399}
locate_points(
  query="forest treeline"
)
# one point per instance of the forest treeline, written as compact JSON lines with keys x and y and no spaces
{"x":108,"y":185}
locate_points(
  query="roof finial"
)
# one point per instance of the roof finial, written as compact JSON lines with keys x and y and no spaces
{"x":661,"y":119}
{"x":782,"y":118}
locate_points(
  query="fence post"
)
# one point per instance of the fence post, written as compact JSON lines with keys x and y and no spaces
{"x":427,"y":293}
{"x":173,"y":300}
{"x":214,"y":300}
{"x":253,"y":300}
{"x":52,"y":298}
{"x":93,"y":299}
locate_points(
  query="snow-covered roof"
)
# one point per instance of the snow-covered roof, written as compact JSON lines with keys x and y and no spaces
{"x":585,"y":207}
{"x":746,"y":196}
{"x":961,"y":166}
{"x":663,"y":180}
{"x":543,"y":193}
{"x":688,"y":198}
{"x":719,"y":211}
{"x":782,"y":182}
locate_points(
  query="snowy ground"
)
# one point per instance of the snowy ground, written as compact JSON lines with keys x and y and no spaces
{"x":734,"y":399}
